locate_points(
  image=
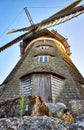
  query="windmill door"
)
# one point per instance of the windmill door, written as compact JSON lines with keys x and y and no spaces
{"x":41,"y":86}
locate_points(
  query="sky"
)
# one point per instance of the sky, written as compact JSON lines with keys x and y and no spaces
{"x":12,"y":16}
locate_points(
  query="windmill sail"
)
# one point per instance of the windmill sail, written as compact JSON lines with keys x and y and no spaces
{"x":61,"y":18}
{"x":55,"y":19}
{"x":22,"y":29}
{"x":14,"y":41}
{"x":71,"y":6}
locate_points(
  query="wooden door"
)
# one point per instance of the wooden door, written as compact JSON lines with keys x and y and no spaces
{"x":41,"y":86}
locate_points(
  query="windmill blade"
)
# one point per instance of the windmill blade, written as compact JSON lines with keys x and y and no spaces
{"x":69,"y":7}
{"x":29,"y":16}
{"x":30,"y":28}
{"x":60,"y":18}
{"x":34,"y":26}
{"x":14,"y":41}
{"x":55,"y":20}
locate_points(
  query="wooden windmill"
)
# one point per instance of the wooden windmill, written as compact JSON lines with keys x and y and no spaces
{"x":45,"y":67}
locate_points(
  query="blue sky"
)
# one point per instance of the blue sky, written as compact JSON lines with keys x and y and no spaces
{"x":13,"y":16}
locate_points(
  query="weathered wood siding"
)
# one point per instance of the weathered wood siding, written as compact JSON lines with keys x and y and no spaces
{"x":26,"y":84}
{"x":42,"y":86}
{"x":45,"y":85}
{"x":57,"y":86}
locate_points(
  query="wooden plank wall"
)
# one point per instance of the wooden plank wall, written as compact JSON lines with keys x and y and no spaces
{"x":57,"y":86}
{"x":45,"y":85}
{"x":27,"y":85}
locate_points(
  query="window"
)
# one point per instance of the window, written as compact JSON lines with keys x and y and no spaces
{"x":43,"y":47}
{"x":43,"y":58}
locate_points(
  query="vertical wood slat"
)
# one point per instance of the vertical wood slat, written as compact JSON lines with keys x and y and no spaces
{"x":57,"y":86}
{"x":27,"y":85}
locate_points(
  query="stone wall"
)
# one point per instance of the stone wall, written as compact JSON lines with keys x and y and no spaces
{"x":38,"y":123}
{"x":11,"y":119}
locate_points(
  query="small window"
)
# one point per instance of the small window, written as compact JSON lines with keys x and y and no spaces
{"x":43,"y":58}
{"x":43,"y":47}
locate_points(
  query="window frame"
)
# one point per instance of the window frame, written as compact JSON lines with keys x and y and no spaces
{"x":43,"y":58}
{"x":43,"y":47}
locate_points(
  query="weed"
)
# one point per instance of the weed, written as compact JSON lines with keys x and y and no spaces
{"x":22,"y":101}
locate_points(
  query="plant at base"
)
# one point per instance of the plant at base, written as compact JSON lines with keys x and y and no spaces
{"x":22,"y":101}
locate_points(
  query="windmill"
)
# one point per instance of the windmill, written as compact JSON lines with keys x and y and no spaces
{"x":45,"y":67}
